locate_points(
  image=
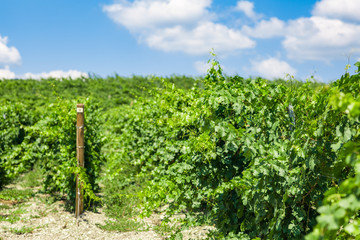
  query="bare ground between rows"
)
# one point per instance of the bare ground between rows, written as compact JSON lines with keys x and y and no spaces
{"x":38,"y":219}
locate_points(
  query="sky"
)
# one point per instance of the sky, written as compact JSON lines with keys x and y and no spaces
{"x":267,"y":38}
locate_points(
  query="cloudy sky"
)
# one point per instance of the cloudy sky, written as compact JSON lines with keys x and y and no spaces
{"x":268,"y":38}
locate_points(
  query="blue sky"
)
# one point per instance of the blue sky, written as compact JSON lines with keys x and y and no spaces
{"x":42,"y":38}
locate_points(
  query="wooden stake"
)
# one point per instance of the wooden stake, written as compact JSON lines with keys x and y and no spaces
{"x":80,"y":150}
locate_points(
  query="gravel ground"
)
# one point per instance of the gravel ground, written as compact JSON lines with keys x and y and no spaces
{"x":40,"y":220}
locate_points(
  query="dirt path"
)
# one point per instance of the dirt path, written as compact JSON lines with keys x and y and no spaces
{"x":40,"y":217}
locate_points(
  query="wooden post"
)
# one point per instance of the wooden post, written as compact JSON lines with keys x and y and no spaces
{"x":80,"y":150}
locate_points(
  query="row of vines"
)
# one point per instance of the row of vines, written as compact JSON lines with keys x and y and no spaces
{"x":258,"y":159}
{"x":38,"y":128}
{"x":47,"y":139}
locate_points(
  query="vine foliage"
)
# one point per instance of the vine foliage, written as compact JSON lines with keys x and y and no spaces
{"x":50,"y":142}
{"x":254,"y":155}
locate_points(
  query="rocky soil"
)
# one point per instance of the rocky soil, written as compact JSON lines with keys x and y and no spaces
{"x":43,"y":218}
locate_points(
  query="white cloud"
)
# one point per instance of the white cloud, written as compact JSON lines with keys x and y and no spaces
{"x":319,"y":38}
{"x":8,"y":55}
{"x":247,"y":8}
{"x":272,"y":68}
{"x":266,"y":29}
{"x":199,"y":40}
{"x":188,"y":26}
{"x":55,"y":74}
{"x":341,"y":9}
{"x":202,"y":67}
{"x":177,"y":26}
{"x":5,"y":73}
{"x":148,"y":14}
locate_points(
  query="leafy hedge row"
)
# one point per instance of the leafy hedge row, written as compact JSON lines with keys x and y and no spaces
{"x":257,"y":156}
{"x":50,"y":142}
{"x":14,"y":120}
{"x":339,"y":214}
{"x":42,"y":129}
{"x":261,"y":159}
{"x":108,"y":92}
